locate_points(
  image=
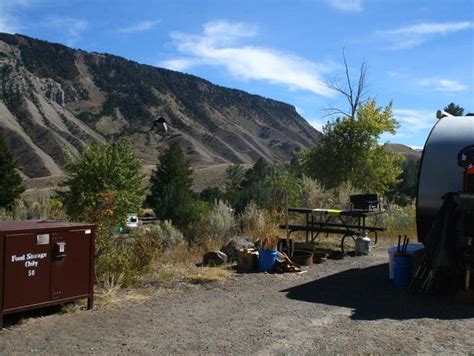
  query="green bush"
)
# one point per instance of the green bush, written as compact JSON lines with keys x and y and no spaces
{"x":400,"y":220}
{"x":267,"y":186}
{"x":171,"y":196}
{"x":127,"y":260}
{"x":103,"y":177}
{"x":260,"y":223}
{"x":168,"y":233}
{"x":211,"y":194}
{"x":342,"y":195}
{"x":281,"y":184}
{"x":11,"y":183}
{"x":221,"y":220}
{"x":145,"y":249}
{"x":114,"y":263}
{"x":349,"y":150}
{"x":45,"y":208}
{"x":312,"y":194}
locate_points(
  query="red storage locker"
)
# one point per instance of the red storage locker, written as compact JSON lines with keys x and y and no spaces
{"x":45,"y":263}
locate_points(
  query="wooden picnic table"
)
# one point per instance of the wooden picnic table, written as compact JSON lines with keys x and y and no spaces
{"x":335,"y":221}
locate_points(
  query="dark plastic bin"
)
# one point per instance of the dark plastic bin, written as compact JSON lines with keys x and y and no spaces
{"x":266,"y":260}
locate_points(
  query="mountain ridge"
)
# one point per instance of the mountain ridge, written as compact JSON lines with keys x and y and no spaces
{"x":55,"y":100}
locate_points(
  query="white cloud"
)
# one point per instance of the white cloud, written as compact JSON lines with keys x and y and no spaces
{"x":139,"y":26}
{"x":317,"y":124}
{"x":179,"y":64}
{"x":299,"y":110}
{"x":221,"y":44}
{"x":429,"y":28}
{"x":445,"y":85}
{"x":415,"y":126}
{"x":415,"y":35}
{"x":451,"y":85}
{"x":346,"y":5}
{"x":10,"y":21}
{"x":69,"y":26}
{"x":415,"y":120}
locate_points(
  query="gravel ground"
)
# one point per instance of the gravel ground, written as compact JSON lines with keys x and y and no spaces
{"x":346,"y":307}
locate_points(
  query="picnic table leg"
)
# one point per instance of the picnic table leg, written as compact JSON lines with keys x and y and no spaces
{"x":307,"y":225}
{"x":343,"y":239}
{"x":328,"y":220}
{"x":342,"y":243}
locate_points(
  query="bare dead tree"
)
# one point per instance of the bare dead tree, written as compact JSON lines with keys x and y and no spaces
{"x":355,"y":95}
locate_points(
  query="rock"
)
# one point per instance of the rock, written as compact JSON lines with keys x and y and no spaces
{"x":53,"y":91}
{"x":258,"y":244}
{"x":214,"y":258}
{"x":236,"y":243}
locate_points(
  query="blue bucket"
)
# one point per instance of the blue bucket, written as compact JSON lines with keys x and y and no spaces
{"x":401,"y":270}
{"x":266,"y":260}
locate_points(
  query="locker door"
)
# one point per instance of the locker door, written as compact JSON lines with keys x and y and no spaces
{"x":27,"y":270}
{"x":70,"y":264}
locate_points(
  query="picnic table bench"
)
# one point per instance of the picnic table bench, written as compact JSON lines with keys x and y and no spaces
{"x":332,"y":221}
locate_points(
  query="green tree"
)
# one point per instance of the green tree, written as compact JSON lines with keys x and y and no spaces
{"x":11,"y":183}
{"x":211,"y":194}
{"x":256,"y":192}
{"x":171,"y":197}
{"x":281,"y":182}
{"x":454,"y":109}
{"x":257,"y":173}
{"x":234,"y":175}
{"x":104,"y":183}
{"x":349,"y":151}
{"x":405,"y":191}
{"x":252,"y":187}
{"x":296,"y":163}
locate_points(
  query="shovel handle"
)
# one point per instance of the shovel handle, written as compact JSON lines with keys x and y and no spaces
{"x":406,"y":245}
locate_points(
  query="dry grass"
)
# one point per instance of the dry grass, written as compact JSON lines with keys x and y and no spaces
{"x":211,"y":176}
{"x":170,"y":275}
{"x":177,"y":267}
{"x":43,"y":182}
{"x":182,"y":264}
{"x":203,"y":176}
{"x":400,"y":221}
{"x":110,"y":299}
{"x":74,"y":306}
{"x":260,"y":224}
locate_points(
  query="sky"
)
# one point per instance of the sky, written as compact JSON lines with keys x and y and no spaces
{"x":419,"y":54}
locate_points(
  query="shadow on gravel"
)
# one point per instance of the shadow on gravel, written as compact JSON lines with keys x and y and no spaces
{"x":17,"y":318}
{"x":371,"y":295}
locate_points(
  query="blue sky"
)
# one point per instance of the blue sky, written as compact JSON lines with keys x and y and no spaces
{"x":420,"y":54}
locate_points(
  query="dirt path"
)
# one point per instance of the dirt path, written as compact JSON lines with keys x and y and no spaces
{"x":346,"y":306}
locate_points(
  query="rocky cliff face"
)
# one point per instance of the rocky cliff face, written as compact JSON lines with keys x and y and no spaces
{"x":55,"y":100}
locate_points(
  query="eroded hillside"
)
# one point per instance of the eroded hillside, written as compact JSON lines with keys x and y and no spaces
{"x":54,"y":100}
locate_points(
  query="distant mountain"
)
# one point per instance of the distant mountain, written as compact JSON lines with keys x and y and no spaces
{"x":54,"y":100}
{"x":406,"y":151}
